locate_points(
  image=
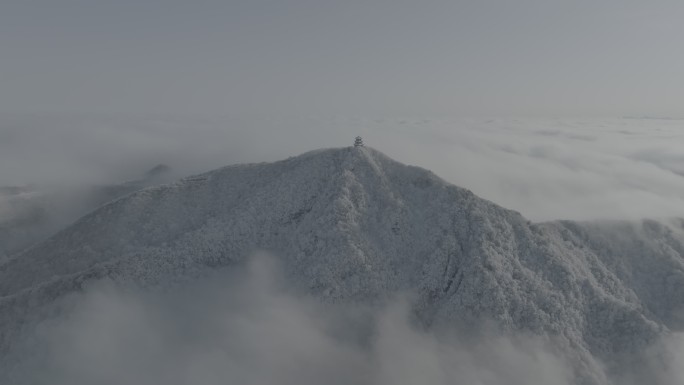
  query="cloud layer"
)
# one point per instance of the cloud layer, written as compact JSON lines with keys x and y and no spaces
{"x":248,"y":326}
{"x":559,"y":169}
{"x":545,"y":168}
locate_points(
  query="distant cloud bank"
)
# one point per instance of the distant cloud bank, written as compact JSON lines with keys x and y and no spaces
{"x":547,"y":169}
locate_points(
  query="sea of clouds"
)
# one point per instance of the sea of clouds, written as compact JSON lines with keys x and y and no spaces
{"x":583,"y":169}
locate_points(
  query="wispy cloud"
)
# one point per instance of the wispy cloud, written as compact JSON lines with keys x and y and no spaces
{"x":244,"y":328}
{"x":250,"y":326}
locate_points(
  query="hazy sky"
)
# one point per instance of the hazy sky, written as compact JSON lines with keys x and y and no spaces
{"x":389,"y":58}
{"x":99,"y":91}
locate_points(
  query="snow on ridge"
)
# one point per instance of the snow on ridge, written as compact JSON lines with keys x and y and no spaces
{"x":351,"y":224}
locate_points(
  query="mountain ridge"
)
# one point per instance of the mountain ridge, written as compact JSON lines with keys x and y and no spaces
{"x":351,"y":224}
{"x":35,"y":213}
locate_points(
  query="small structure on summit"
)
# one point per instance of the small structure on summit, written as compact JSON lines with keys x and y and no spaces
{"x":358,"y":142}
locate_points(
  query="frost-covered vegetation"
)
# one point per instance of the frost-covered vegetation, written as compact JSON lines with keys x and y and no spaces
{"x":351,"y":226}
{"x":30,"y":214}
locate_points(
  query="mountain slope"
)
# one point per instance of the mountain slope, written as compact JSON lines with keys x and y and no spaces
{"x":31,"y":214}
{"x":351,"y":224}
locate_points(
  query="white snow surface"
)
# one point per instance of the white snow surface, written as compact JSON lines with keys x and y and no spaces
{"x":352,"y":225}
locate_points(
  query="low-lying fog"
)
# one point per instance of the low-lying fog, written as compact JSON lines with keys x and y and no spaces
{"x":249,"y":326}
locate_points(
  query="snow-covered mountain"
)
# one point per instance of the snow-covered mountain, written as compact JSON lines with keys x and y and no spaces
{"x":352,"y":225}
{"x":30,"y":214}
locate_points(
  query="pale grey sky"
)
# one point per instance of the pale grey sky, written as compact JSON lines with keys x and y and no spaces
{"x":372,"y":57}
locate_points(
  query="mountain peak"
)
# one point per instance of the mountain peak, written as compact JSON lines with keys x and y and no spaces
{"x":351,"y":224}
